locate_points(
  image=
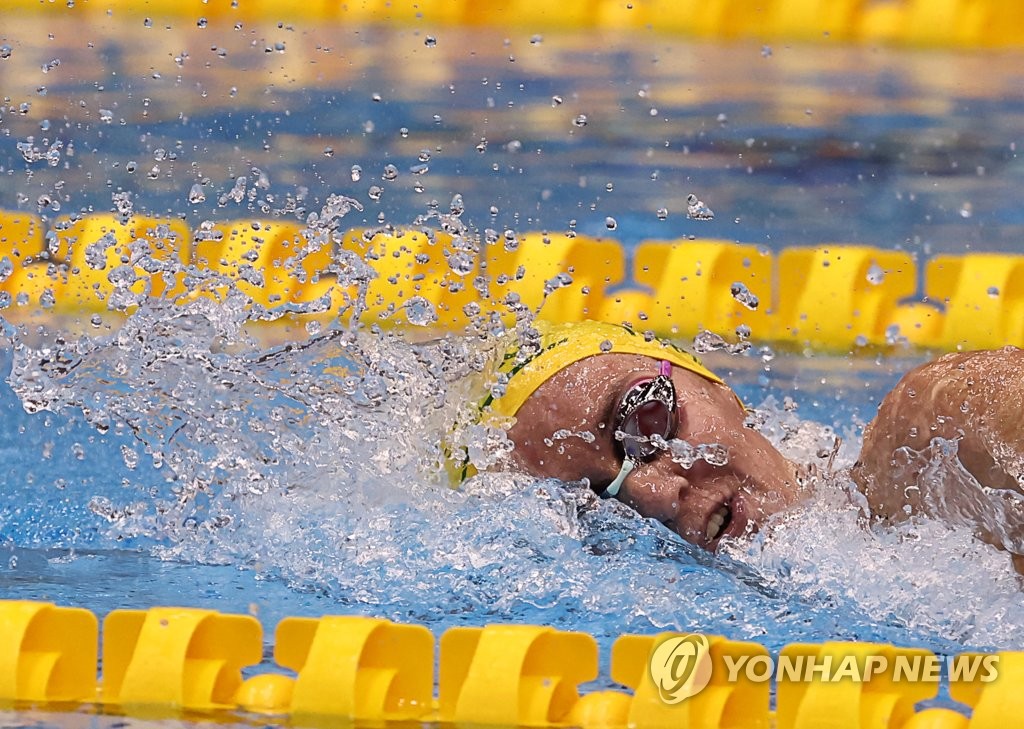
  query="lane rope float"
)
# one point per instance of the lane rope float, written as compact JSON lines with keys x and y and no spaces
{"x":837,"y":297}
{"x":170,"y":661}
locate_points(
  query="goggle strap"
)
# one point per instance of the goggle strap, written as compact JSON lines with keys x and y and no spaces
{"x":612,"y":491}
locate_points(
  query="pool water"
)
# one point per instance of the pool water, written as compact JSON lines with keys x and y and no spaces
{"x":789,"y":144}
{"x":175,"y":458}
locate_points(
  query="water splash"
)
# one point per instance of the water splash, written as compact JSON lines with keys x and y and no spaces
{"x":320,"y":461}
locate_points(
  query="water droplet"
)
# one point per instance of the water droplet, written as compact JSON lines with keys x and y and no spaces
{"x":375,"y":192}
{"x":610,"y":223}
{"x":390,"y":173}
{"x":430,"y":41}
{"x":131,"y":166}
{"x":5,"y":51}
{"x":461,"y":263}
{"x":714,"y":454}
{"x":201,"y":23}
{"x":96,"y":320}
{"x":966,"y":210}
{"x":196,"y":194}
{"x":558,"y":281}
{"x":6,"y":268}
{"x":356,"y":173}
{"x":606,"y":346}
{"x":328,"y":151}
{"x":511,"y":241}
{"x":580,"y":120}
{"x":993,"y":291}
{"x":47,"y":300}
{"x":662,"y":213}
{"x":130,"y":457}
{"x":744,"y":295}
{"x":420,"y":169}
{"x":706,"y":341}
{"x":876,"y":274}
{"x":536,"y":40}
{"x":420,"y":312}
{"x":457,"y":207}
{"x":722,"y":119}
{"x":556,"y":100}
{"x":376,"y":98}
{"x":766,"y":51}
{"x":106,"y":116}
{"x":697,"y":210}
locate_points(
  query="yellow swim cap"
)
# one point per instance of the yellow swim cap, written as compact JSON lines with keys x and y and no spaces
{"x":562,"y":344}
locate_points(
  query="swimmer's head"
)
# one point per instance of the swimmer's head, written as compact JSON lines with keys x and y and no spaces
{"x":646,"y":422}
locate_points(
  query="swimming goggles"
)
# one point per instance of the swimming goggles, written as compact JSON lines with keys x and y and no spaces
{"x":647,"y":409}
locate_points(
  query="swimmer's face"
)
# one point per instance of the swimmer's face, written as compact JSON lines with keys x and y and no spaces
{"x":703,"y":503}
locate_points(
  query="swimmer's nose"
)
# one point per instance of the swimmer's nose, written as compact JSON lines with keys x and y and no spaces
{"x":657,"y":491}
{"x":682,"y":499}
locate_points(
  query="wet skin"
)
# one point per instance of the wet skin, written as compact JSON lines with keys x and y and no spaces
{"x":756,"y":482}
{"x":974,"y":398}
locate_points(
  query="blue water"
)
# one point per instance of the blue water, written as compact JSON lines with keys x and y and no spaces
{"x":789,"y":144}
{"x":193,"y":465}
{"x":79,"y":526}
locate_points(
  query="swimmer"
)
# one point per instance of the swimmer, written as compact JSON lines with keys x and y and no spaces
{"x":655,"y":429}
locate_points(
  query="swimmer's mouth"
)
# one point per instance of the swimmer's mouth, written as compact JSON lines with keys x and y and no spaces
{"x":718,"y":522}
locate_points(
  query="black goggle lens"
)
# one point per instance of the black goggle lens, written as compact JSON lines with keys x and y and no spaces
{"x":647,"y":409}
{"x":649,"y":419}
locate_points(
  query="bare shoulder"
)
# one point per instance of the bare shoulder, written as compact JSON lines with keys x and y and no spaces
{"x":975,"y":399}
